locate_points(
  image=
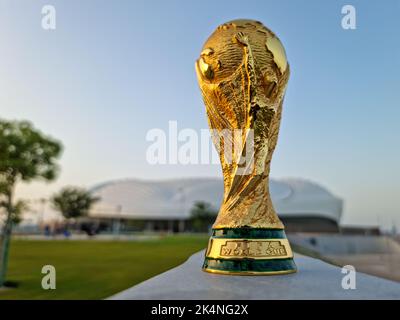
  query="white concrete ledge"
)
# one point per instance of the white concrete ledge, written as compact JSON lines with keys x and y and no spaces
{"x":314,"y":280}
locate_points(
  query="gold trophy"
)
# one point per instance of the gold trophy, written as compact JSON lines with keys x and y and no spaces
{"x":242,"y":73}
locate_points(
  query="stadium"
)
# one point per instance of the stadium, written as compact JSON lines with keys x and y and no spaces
{"x":143,"y":205}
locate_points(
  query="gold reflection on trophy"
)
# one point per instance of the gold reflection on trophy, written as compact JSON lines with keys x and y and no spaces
{"x":242,"y":73}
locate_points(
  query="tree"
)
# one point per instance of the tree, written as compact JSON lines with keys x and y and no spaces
{"x":19,"y":207}
{"x":202,"y":216}
{"x":73,"y":202}
{"x":25,"y":155}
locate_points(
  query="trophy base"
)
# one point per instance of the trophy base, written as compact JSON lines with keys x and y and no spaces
{"x":249,"y":251}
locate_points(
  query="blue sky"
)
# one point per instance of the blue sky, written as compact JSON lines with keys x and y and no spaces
{"x":112,"y":70}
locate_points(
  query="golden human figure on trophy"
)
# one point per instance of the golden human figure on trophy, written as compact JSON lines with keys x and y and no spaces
{"x":243,"y":73}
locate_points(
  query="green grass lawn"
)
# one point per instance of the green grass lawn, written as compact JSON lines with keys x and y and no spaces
{"x":92,"y":269}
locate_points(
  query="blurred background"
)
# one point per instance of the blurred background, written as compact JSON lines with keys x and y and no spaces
{"x":106,"y":74}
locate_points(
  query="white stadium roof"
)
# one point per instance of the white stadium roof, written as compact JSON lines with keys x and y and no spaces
{"x":173,"y":199}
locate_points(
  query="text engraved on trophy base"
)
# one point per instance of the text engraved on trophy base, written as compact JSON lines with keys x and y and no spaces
{"x":252,"y":249}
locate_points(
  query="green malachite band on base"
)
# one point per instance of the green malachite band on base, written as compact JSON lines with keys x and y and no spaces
{"x":249,"y":233}
{"x":270,"y":254}
{"x":249,"y":266}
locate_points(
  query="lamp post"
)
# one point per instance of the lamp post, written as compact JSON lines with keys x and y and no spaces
{"x":117,"y":224}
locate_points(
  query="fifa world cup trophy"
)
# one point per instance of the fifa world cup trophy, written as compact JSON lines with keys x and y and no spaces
{"x":242,"y":73}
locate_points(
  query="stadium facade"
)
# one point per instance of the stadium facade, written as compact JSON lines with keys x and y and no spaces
{"x":140,"y":205}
